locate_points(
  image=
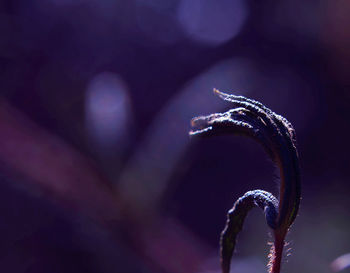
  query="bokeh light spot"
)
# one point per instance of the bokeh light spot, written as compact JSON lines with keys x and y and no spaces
{"x":212,"y":22}
{"x":107,"y":110}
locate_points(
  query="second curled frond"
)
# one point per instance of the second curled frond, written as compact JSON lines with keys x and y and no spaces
{"x":235,"y":218}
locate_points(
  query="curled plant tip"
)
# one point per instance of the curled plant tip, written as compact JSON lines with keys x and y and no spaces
{"x":235,"y":218}
{"x":277,"y":136}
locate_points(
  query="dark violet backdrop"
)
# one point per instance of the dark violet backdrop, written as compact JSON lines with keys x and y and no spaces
{"x":115,"y":84}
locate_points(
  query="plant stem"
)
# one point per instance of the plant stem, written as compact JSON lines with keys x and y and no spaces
{"x":276,"y":255}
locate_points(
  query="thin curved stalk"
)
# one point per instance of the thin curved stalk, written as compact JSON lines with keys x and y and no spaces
{"x":277,"y":136}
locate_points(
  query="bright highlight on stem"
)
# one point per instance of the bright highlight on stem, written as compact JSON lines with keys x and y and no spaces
{"x":277,"y":136}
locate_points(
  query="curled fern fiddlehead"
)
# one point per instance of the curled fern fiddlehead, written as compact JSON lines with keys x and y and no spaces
{"x":277,"y":136}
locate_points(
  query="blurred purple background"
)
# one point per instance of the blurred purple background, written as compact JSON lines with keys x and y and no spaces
{"x":97,"y":171}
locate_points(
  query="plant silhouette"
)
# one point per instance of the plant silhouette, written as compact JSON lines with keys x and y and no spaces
{"x":277,"y":136}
